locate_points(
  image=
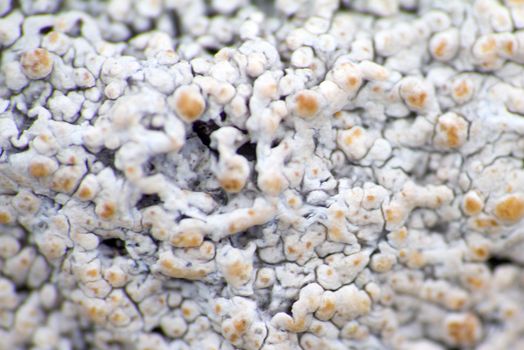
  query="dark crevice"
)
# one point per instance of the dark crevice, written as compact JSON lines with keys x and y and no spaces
{"x":106,"y":157}
{"x":263,"y":303}
{"x":496,"y":261}
{"x":23,"y":289}
{"x":177,"y":23}
{"x":45,"y":30}
{"x":148,"y":200}
{"x":76,"y":30}
{"x":159,"y":331}
{"x":288,"y":307}
{"x":204,"y":130}
{"x":182,"y":217}
{"x":150,"y":168}
{"x":25,"y":123}
{"x":441,"y":227}
{"x":114,"y":247}
{"x":248,"y":150}
{"x":219,"y":196}
{"x":212,"y":50}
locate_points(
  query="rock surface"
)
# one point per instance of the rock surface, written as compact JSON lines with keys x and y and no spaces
{"x":227,"y":174}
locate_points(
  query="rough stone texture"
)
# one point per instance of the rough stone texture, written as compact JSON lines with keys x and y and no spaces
{"x":297,"y":174}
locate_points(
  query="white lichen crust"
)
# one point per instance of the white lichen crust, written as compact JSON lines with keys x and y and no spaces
{"x":261,"y":175}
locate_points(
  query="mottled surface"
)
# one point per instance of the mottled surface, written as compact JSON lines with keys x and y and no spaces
{"x":297,"y":174}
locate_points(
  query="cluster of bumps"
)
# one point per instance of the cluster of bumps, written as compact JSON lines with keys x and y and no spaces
{"x":297,"y":174}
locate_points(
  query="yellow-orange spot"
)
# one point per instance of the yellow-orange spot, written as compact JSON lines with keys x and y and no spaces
{"x":72,"y":160}
{"x":240,"y":270}
{"x":96,"y":314}
{"x":85,"y":192}
{"x":177,"y":272}
{"x":231,"y":184}
{"x":452,"y":134}
{"x":297,"y":326}
{"x":37,"y":63}
{"x":417,"y":100}
{"x":53,"y":37}
{"x":481,"y":252}
{"x":53,"y":250}
{"x":118,"y":318}
{"x":353,"y":82}
{"x":486,"y":223}
{"x":393,"y":215}
{"x":189,"y":106}
{"x":307,"y":104}
{"x":92,"y":273}
{"x":269,"y":90}
{"x":475,"y":282}
{"x":472,"y":206}
{"x":461,"y":90}
{"x":108,"y":211}
{"x":5,"y":218}
{"x":509,"y":48}
{"x":63,"y":184}
{"x":402,"y":233}
{"x":240,"y":325}
{"x":111,"y":277}
{"x":381,"y":265}
{"x":335,"y":233}
{"x":440,"y":50}
{"x":416,"y":260}
{"x":510,"y":209}
{"x":208,"y":248}
{"x":37,"y":169}
{"x":463,"y":332}
{"x":489,"y":45}
{"x":355,"y":133}
{"x":187,"y":239}
{"x":509,"y":313}
{"x":186,"y":312}
{"x":327,"y":307}
{"x":131,"y":170}
{"x":272,"y":185}
{"x":457,"y":303}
